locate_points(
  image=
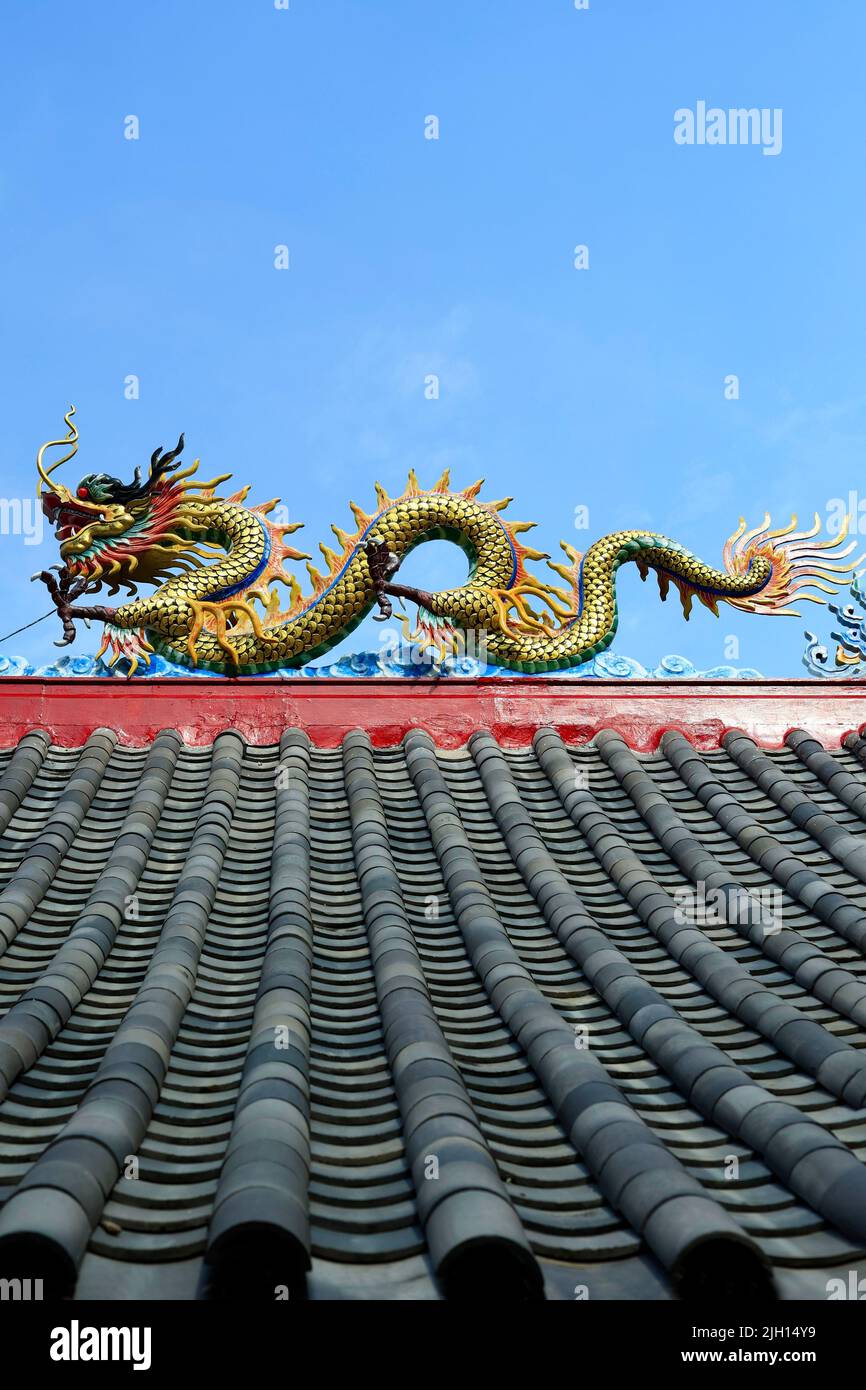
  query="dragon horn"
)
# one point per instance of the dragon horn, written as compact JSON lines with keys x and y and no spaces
{"x":70,"y":438}
{"x":161,"y":463}
{"x":173,"y":453}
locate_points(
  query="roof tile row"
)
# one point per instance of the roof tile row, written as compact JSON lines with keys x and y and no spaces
{"x":403,"y":1019}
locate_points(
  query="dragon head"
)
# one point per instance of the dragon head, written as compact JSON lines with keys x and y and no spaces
{"x":107,"y":527}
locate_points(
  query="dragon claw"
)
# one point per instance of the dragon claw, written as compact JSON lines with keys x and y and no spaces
{"x":383,"y":565}
{"x":529,"y":622}
{"x":125,"y":645}
{"x":219,"y":611}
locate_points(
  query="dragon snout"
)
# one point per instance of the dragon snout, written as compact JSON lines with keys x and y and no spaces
{"x":51,"y":505}
{"x":67,"y":517}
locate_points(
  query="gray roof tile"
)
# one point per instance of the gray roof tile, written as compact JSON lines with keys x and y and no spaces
{"x":254,"y":999}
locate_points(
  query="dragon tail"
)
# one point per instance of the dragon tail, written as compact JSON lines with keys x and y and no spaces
{"x":800,"y":567}
{"x":765,"y":571}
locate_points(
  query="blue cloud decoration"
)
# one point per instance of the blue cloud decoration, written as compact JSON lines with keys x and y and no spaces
{"x":367,"y":665}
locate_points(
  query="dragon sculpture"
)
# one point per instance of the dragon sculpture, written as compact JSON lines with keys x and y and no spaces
{"x":213,"y":558}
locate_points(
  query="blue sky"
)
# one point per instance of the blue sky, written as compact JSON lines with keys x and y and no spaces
{"x":601,"y":388}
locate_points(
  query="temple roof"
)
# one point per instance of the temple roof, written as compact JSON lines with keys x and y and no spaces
{"x":394,"y":1019}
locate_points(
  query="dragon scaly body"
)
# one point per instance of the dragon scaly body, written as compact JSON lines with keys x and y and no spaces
{"x":216,"y":560}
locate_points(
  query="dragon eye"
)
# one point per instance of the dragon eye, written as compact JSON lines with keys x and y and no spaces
{"x":84,"y":493}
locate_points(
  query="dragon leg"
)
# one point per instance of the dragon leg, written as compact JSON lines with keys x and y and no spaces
{"x":220,"y":612}
{"x":528,"y":620}
{"x":125,"y":645}
{"x":383,"y":564}
{"x":64,"y":591}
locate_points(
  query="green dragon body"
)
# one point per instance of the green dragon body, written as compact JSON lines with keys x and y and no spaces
{"x":213,"y":559}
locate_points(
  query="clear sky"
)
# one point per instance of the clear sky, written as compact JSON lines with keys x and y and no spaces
{"x":305,"y":127}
